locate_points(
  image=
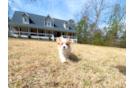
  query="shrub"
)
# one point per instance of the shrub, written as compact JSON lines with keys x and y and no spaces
{"x":18,"y":36}
{"x":39,"y":38}
{"x":29,"y":36}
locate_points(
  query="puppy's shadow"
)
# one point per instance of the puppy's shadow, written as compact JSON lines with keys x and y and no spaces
{"x":74,"y":58}
{"x":122,"y":69}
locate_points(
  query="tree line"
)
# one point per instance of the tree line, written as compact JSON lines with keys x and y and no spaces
{"x":87,"y":23}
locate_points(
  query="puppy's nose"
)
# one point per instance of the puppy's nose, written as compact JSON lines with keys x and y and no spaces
{"x":63,"y":47}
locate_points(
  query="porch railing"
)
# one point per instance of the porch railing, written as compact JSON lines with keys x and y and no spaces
{"x":72,"y":37}
{"x":37,"y":35}
{"x":31,"y":33}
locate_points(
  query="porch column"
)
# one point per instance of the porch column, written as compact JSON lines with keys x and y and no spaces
{"x":28,"y":32}
{"x":67,"y":34}
{"x":45,"y":32}
{"x":19,"y":30}
{"x":37,"y":32}
{"x":10,"y":28}
{"x":72,"y":35}
{"x":52,"y":35}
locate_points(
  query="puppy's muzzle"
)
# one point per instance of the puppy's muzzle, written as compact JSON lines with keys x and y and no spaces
{"x":64,"y":47}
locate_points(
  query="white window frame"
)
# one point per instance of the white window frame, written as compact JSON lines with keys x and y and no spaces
{"x":48,"y":22}
{"x":26,"y":19}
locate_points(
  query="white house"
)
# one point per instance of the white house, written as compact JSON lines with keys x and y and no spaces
{"x":37,"y":26}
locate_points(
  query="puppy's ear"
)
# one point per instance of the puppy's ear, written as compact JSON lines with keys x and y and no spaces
{"x":58,"y":40}
{"x":69,"y":39}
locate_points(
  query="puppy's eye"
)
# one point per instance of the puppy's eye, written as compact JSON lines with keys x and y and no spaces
{"x":61,"y":43}
{"x":67,"y":44}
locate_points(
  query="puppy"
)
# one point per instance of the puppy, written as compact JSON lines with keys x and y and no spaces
{"x":64,"y":48}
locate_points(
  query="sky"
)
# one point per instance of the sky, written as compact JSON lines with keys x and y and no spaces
{"x":60,"y":9}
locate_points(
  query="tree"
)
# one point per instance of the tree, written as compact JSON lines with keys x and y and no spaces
{"x":71,"y":20}
{"x":115,"y":27}
{"x":74,"y":25}
{"x":123,"y":40}
{"x":98,"y":11}
{"x":82,"y":31}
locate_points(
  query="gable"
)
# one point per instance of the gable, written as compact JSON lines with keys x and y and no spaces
{"x":49,"y":18}
{"x":66,"y":22}
{"x":25,"y":14}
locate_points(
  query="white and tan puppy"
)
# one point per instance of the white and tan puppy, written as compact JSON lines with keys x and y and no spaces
{"x":64,"y":48}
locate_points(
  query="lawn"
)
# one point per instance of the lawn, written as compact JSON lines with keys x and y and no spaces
{"x":36,"y":64}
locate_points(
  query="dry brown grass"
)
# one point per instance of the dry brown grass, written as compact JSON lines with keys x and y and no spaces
{"x":36,"y":64}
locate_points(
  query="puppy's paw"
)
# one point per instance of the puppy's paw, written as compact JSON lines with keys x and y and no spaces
{"x":63,"y":61}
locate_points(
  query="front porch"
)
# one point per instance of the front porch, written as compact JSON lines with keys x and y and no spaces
{"x":14,"y":31}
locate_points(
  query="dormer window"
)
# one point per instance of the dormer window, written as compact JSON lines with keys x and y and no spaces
{"x":66,"y":25}
{"x":25,"y":19}
{"x":49,"y":23}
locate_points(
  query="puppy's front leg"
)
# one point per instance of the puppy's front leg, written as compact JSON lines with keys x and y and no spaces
{"x":63,"y":58}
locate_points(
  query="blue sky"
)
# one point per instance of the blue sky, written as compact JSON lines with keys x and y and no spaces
{"x":60,"y":9}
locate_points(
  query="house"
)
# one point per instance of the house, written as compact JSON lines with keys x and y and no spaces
{"x":36,"y":26}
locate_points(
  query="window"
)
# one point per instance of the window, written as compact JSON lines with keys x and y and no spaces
{"x":25,"y":19}
{"x":49,"y":23}
{"x":66,"y":25}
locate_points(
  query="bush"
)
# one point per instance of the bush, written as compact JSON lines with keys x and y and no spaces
{"x":18,"y":36}
{"x":39,"y":38}
{"x":29,"y":36}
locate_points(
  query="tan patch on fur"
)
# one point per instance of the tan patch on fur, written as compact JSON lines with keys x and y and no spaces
{"x":58,"y":40}
{"x":68,"y":42}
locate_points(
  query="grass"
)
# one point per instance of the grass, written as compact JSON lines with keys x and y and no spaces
{"x":36,"y":64}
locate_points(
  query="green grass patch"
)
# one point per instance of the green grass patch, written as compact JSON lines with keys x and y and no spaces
{"x":44,"y":84}
{"x":10,"y":55}
{"x":86,"y":83}
{"x":107,"y":82}
{"x":31,"y":83}
{"x":79,"y":54}
{"x":85,"y":65}
{"x":17,"y":45}
{"x":18,"y":69}
{"x":33,"y":76}
{"x":17,"y":84}
{"x":24,"y":80}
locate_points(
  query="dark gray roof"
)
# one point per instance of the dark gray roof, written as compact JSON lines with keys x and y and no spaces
{"x":37,"y":21}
